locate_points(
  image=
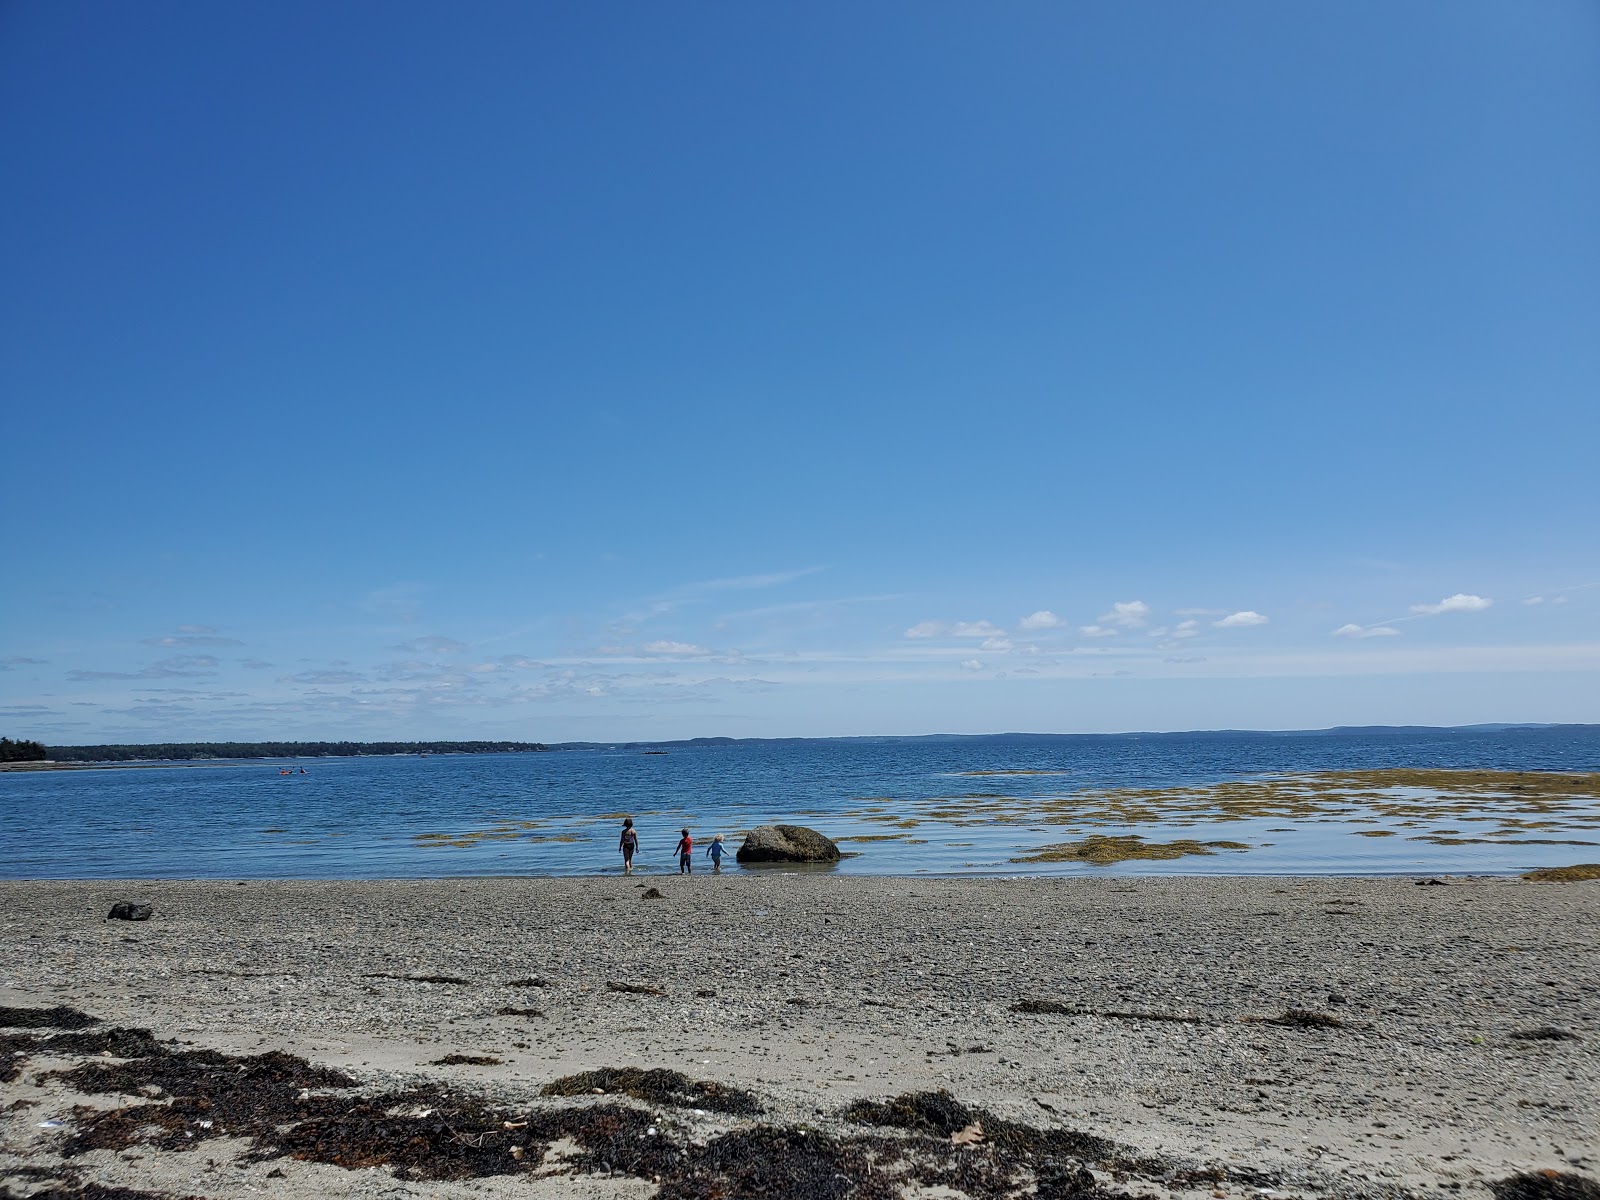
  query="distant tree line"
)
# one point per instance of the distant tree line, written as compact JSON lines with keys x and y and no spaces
{"x":22,"y":751}
{"x":194,"y":750}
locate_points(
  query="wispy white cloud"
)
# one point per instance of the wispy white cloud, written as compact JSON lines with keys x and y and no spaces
{"x":1043,"y":619}
{"x":201,"y":629}
{"x":999,"y":645}
{"x":180,"y":666}
{"x":971,"y":664}
{"x":1460,"y":602}
{"x":1534,"y":600}
{"x":954,"y":629}
{"x":1365,"y":631}
{"x":1096,"y":631}
{"x":323,"y":678}
{"x":431,"y":645}
{"x":671,"y":649}
{"x":1125,"y":614}
{"x":1240,"y":620}
{"x":191,"y":639}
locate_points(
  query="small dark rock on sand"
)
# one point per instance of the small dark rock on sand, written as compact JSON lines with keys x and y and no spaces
{"x":126,"y":911}
{"x":1545,"y":1033}
{"x":787,"y":843}
{"x":652,"y":894}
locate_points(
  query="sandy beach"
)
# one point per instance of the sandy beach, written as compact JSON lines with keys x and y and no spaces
{"x":1235,"y":1036}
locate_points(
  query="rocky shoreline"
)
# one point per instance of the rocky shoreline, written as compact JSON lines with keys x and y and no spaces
{"x":1313,"y":1037}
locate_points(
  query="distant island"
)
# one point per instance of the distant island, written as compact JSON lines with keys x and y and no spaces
{"x":25,"y":753}
{"x":189,"y":751}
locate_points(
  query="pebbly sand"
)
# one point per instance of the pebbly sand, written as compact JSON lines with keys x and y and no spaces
{"x":816,"y":990}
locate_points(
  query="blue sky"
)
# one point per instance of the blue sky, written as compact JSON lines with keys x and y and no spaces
{"x":606,"y":371}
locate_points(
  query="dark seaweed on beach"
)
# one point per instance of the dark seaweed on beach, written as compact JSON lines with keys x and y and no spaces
{"x":59,"y":1017}
{"x":467,"y":1060}
{"x":656,"y":1086}
{"x":417,"y":978}
{"x":1061,"y":1008}
{"x":118,"y":1042}
{"x":941,"y":1114}
{"x":65,"y":1184}
{"x":1302,"y":1018}
{"x":211,"y":1095}
{"x":635,"y":989}
{"x":1546,"y":1185}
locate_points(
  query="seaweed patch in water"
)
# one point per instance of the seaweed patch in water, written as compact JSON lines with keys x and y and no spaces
{"x":1101,"y":849}
{"x":656,"y":1086}
{"x":1576,"y":873}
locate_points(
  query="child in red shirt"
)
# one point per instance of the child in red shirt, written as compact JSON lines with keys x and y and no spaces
{"x":685,"y":850}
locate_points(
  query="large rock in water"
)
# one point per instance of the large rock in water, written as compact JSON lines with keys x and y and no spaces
{"x":787,"y":843}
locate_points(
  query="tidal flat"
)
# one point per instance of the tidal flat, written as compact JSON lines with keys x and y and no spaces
{"x":1123,"y":1037}
{"x":1513,"y":808}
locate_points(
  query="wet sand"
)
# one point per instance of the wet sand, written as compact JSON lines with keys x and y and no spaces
{"x":1153,"y":1027}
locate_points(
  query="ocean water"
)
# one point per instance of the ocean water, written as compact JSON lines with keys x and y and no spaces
{"x":956,"y":807}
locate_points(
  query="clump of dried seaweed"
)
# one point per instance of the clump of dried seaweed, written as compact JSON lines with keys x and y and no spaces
{"x":656,"y":1086}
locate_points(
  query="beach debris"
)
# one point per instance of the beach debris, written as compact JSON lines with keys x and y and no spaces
{"x":787,"y":843}
{"x":1545,"y":1033}
{"x":1431,"y":883}
{"x":533,"y":982}
{"x":416,"y":978}
{"x":705,"y":993}
{"x":53,"y":1123}
{"x":509,"y":1011}
{"x":657,"y":1085}
{"x":125,"y":910}
{"x":634,"y":989}
{"x":1577,"y":873}
{"x":651,"y":894}
{"x":467,"y":1060}
{"x":971,"y":1135}
{"x":1546,"y":1185}
{"x":58,"y":1017}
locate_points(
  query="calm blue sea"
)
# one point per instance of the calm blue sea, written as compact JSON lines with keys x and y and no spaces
{"x":557,"y":813}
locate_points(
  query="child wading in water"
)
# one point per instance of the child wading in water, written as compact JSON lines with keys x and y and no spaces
{"x":714,"y":852}
{"x":685,"y":850}
{"x":628,"y":844}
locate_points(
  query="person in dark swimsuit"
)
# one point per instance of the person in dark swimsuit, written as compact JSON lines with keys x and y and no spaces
{"x":628,"y":844}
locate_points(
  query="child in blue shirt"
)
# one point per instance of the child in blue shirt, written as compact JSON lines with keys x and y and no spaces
{"x":714,"y":852}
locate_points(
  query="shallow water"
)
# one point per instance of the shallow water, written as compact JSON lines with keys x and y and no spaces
{"x":557,"y":813}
